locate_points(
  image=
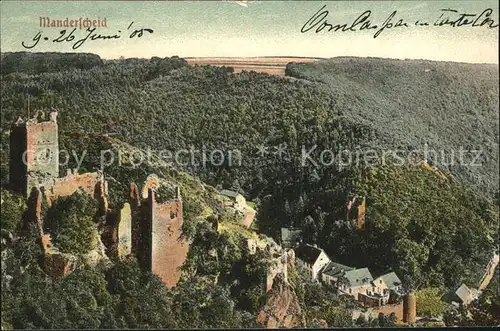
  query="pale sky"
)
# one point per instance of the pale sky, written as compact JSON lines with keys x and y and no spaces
{"x":263,"y":28}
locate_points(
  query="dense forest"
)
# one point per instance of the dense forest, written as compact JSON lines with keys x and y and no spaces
{"x":435,"y":225}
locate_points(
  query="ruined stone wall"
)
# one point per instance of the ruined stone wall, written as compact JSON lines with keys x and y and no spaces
{"x":168,"y":250}
{"x":369,"y":301}
{"x":34,"y":212}
{"x":405,"y":311}
{"x":124,"y":232}
{"x":278,"y":266}
{"x":55,"y":263}
{"x":91,"y":183}
{"x":152,"y":182}
{"x":386,"y":310}
{"x":138,"y":220}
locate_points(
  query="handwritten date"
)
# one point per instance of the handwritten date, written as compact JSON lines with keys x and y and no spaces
{"x":91,"y":34}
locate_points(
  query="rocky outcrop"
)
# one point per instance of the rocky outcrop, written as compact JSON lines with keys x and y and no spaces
{"x":282,"y":308}
{"x":59,"y":265}
{"x":97,"y":255}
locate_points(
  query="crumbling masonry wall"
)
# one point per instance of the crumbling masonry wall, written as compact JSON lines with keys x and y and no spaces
{"x":55,"y":263}
{"x":124,"y":232}
{"x":387,"y":310}
{"x":355,"y":212}
{"x":117,"y":233}
{"x":92,"y":183}
{"x":279,"y":265}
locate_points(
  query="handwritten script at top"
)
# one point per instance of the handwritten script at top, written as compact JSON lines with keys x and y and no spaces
{"x":91,"y":34}
{"x":448,"y":17}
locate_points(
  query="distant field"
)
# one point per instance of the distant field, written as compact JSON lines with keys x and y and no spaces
{"x":269,"y":65}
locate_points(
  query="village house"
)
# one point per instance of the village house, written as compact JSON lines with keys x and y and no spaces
{"x":382,"y":285}
{"x":384,"y":288}
{"x":465,"y":295}
{"x":290,"y":238}
{"x":312,"y":259}
{"x":355,"y":281}
{"x":236,"y":200}
{"x":332,"y":272}
{"x":377,"y":295}
{"x":360,"y":284}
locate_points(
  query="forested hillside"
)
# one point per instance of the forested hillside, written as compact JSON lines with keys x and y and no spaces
{"x":437,"y":227}
{"x":222,"y":284}
{"x":448,"y":106}
{"x":36,"y":63}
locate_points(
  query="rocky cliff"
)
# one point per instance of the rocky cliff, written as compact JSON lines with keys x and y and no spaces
{"x":282,"y":308}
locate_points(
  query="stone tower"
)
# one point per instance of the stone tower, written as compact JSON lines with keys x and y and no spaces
{"x":34,"y":152}
{"x":160,"y":248}
{"x":409,"y":308}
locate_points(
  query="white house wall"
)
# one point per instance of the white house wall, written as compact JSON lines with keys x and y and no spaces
{"x":321,"y":261}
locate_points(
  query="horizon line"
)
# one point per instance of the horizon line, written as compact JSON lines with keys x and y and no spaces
{"x":255,"y":57}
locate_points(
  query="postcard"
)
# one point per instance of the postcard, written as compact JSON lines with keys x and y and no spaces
{"x":249,"y":164}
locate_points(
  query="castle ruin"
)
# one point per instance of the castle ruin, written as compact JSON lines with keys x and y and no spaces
{"x":355,"y":213}
{"x":156,"y":238}
{"x":144,"y":227}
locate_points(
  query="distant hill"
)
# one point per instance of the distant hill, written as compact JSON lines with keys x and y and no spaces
{"x":37,"y":63}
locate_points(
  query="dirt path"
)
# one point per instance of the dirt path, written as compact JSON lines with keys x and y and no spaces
{"x":247,"y":221}
{"x":490,"y":272}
